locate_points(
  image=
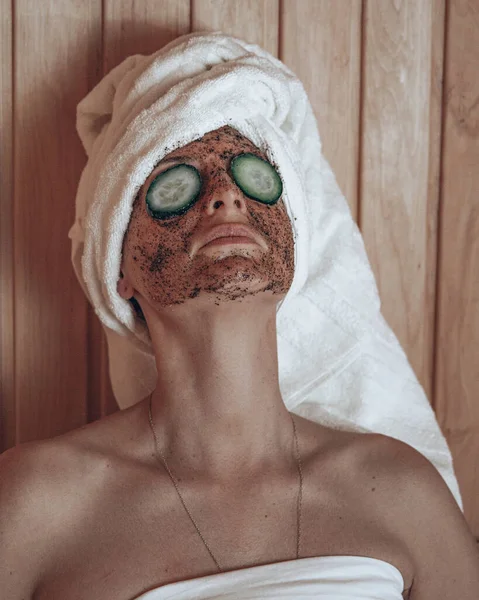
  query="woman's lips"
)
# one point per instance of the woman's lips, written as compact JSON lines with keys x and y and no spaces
{"x":236,"y":239}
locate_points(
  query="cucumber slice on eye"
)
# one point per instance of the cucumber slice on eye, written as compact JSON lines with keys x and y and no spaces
{"x":257,"y":178}
{"x":173,"y":191}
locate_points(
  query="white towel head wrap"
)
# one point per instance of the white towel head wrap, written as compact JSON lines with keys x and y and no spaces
{"x":339,"y":362}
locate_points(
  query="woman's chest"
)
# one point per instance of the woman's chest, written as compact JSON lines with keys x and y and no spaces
{"x":134,"y":541}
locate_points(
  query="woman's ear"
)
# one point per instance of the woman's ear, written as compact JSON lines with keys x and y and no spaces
{"x":124,"y":288}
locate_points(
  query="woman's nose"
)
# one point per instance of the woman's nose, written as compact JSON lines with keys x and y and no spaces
{"x":221,"y":189}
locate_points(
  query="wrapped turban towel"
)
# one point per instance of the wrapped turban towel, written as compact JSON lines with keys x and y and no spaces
{"x":339,"y":362}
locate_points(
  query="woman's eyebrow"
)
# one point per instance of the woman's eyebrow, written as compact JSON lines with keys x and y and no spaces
{"x":179,"y":157}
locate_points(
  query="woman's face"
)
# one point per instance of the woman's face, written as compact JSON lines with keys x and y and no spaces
{"x":163,"y":261}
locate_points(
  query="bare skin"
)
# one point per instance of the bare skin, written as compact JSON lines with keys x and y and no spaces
{"x":120,"y":528}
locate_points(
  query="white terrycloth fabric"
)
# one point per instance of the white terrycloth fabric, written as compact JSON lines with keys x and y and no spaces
{"x":326,"y":577}
{"x":340,"y":364}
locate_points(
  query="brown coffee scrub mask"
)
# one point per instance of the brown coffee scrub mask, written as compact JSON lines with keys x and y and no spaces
{"x":163,"y":262}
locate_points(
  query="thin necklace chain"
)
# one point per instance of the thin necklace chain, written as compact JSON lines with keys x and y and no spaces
{"x":298,"y":458}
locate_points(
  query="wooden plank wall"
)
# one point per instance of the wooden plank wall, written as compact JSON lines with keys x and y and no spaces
{"x":395,"y":90}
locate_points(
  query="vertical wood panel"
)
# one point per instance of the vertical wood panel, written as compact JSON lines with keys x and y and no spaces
{"x":51,"y":74}
{"x":457,"y":373}
{"x":321,"y":44}
{"x":131,"y":27}
{"x":7,"y":341}
{"x":255,"y":21}
{"x":399,"y":166}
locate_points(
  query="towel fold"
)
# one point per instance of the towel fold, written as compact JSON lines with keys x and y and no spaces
{"x":339,"y":362}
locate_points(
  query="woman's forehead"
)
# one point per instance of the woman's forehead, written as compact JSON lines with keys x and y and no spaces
{"x":218,"y":140}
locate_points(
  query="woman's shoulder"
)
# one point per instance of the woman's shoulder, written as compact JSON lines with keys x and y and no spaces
{"x":344,"y":448}
{"x":78,"y":455}
{"x":367,"y":468}
{"x":38,"y":476}
{"x":112,"y":437}
{"x":35,"y":508}
{"x":372,"y":462}
{"x":44,"y":482}
{"x":354,"y":448}
{"x":36,"y":464}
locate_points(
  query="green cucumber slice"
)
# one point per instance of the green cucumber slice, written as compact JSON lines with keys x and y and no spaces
{"x":257,"y":178}
{"x":173,"y":191}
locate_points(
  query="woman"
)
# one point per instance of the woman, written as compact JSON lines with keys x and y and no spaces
{"x":207,"y":487}
{"x":93,"y":513}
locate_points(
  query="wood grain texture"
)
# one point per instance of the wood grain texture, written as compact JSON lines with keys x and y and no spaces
{"x":7,"y":339}
{"x":457,"y":369}
{"x":321,"y":43}
{"x":132,"y":27}
{"x":255,"y":21}
{"x":400,"y":167}
{"x":50,"y":309}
